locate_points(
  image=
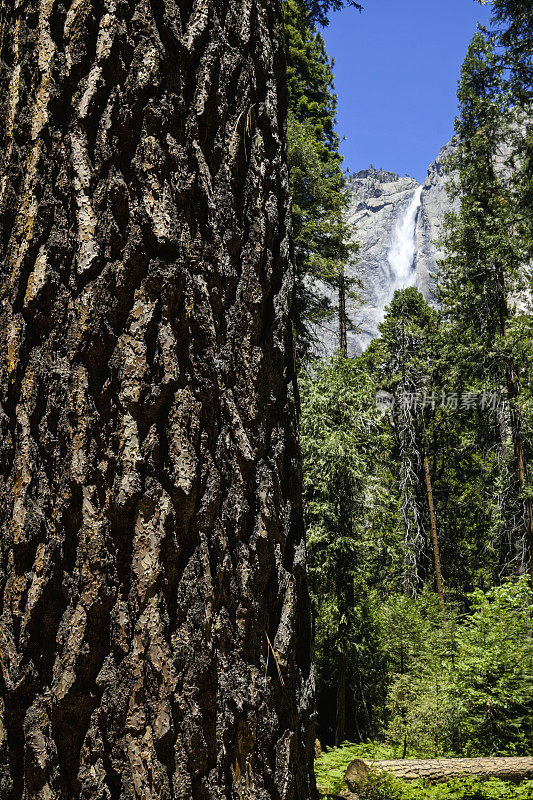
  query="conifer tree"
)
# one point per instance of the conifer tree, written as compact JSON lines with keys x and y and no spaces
{"x":154,"y":621}
{"x":319,"y":9}
{"x":339,"y":447}
{"x":405,"y":364}
{"x":321,"y":238}
{"x":514,"y":35}
{"x":513,"y":40}
{"x":482,"y":278}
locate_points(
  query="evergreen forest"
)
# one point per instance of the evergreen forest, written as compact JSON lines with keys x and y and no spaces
{"x":417,"y":453}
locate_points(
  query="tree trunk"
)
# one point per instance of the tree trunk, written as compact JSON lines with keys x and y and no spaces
{"x":434,"y":537}
{"x":151,"y":535}
{"x":442,"y":769}
{"x":412,"y":497}
{"x":340,"y":717}
{"x":343,"y":339}
{"x":511,"y":384}
{"x":520,"y":459}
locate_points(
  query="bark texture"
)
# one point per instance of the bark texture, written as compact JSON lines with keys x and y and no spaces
{"x":150,"y":514}
{"x":442,"y":769}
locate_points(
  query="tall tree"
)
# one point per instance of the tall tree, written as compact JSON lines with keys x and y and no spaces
{"x":154,"y":628}
{"x":486,"y":270}
{"x":339,"y":445}
{"x":404,"y":363}
{"x":319,"y":9}
{"x":323,"y":242}
{"x":513,"y":34}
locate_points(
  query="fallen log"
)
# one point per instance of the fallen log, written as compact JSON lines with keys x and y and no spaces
{"x":441,"y":769}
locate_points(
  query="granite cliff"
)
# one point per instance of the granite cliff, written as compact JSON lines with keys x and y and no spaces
{"x":397,"y":223}
{"x":434,"y":204}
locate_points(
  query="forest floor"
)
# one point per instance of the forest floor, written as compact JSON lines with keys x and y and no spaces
{"x":331,"y":766}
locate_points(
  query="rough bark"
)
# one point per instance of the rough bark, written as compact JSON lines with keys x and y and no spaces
{"x":441,"y":769}
{"x":151,"y":536}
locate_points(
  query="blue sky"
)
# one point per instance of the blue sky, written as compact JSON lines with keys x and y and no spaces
{"x":396,"y":70}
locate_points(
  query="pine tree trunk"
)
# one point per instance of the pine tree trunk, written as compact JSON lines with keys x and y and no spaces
{"x":520,"y":460}
{"x":343,"y":339}
{"x":511,"y":384}
{"x":412,"y":497}
{"x":151,"y":536}
{"x":434,"y":537}
{"x":515,"y":768}
{"x":340,"y":717}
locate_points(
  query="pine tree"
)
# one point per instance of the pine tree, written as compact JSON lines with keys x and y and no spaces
{"x":312,"y":97}
{"x":320,"y":9}
{"x":481,"y":280}
{"x":321,"y":237}
{"x":404,"y":364}
{"x":339,"y":446}
{"x":154,"y":623}
{"x":513,"y":34}
{"x":513,"y":40}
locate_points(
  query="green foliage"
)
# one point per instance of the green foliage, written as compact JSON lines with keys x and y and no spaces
{"x":513,"y":41}
{"x":335,"y":426}
{"x":484,"y":284}
{"x":387,"y":787}
{"x":466,"y":687}
{"x":482,"y":265}
{"x":331,"y":766}
{"x":319,"y":9}
{"x":382,"y":786}
{"x":310,"y":79}
{"x":424,"y":688}
{"x":339,"y":447}
{"x":491,"y":676}
{"x":513,"y":20}
{"x":321,"y":237}
{"x":413,"y":633}
{"x":407,"y":347}
{"x":405,"y":361}
{"x":319,"y":233}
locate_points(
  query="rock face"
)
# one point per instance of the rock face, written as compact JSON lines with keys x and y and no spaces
{"x":434,"y":204}
{"x":381,"y":201}
{"x":397,"y":223}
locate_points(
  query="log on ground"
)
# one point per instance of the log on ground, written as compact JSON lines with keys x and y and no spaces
{"x":441,"y":769}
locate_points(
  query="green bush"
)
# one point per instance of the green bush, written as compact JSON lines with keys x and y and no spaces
{"x":467,"y":687}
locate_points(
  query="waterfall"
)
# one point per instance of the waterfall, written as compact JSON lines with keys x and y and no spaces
{"x":402,"y":250}
{"x":400,"y":256}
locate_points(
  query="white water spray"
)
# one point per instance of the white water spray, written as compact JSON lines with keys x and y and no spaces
{"x":402,"y":250}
